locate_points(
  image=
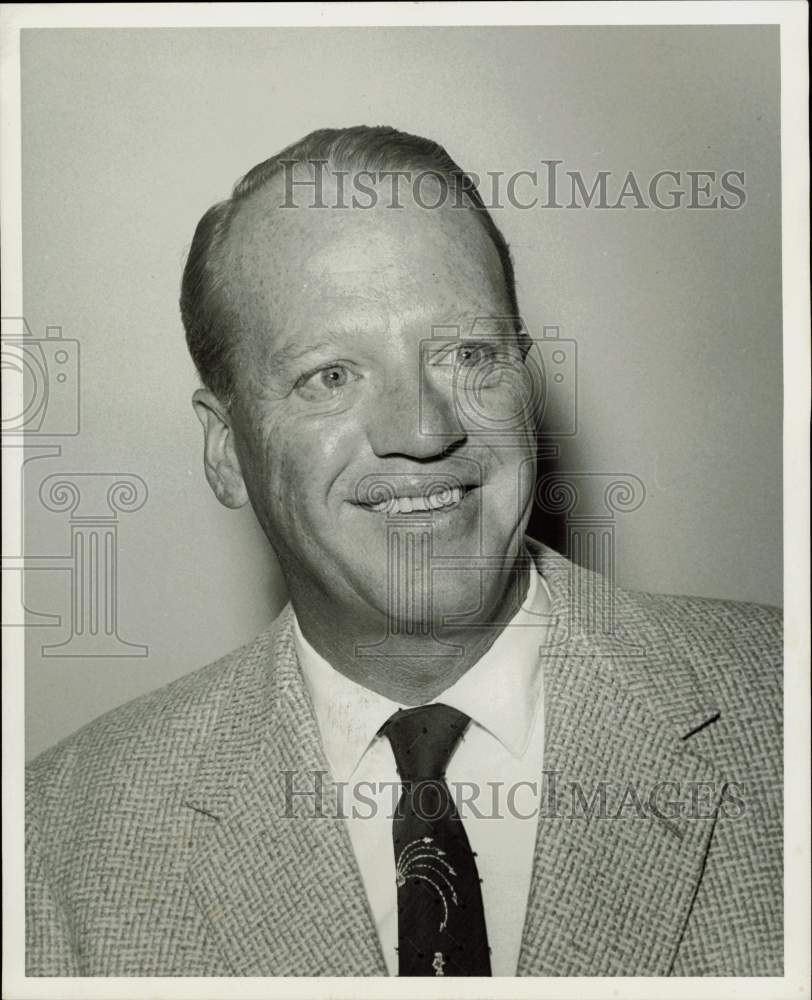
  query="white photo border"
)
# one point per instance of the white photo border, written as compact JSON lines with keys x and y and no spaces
{"x":792,"y":18}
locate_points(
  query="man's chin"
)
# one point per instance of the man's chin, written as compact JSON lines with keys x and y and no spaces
{"x":411,"y":604}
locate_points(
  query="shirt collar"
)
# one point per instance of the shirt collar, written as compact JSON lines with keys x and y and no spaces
{"x":500,"y":692}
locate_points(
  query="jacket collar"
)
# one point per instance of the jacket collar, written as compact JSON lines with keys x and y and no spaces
{"x":350,"y":716}
{"x":281,"y":889}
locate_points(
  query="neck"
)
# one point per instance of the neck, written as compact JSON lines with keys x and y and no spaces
{"x":408,"y":669}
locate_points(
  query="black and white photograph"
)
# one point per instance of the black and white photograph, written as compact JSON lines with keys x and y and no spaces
{"x":406,"y":499}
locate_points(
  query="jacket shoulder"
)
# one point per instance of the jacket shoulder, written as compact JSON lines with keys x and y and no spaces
{"x":153,"y":739}
{"x":710,"y":634}
{"x":687,"y":658}
{"x":713,"y":635}
{"x":708,"y":612}
{"x":702,"y":659}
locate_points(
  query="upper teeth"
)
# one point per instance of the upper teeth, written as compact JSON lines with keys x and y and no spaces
{"x":434,"y":501}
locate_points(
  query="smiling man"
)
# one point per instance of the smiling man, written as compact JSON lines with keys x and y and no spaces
{"x":340,"y":391}
{"x":427,"y":765}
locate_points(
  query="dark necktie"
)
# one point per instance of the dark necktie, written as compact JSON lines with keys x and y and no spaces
{"x":441,"y":923}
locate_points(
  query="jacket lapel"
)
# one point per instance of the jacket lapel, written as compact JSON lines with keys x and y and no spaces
{"x":278,"y":884}
{"x":611,"y":892}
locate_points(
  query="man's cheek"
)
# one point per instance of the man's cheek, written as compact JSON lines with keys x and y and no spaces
{"x":287,"y":481}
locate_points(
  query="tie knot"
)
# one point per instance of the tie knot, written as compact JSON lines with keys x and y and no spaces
{"x":423,"y":739}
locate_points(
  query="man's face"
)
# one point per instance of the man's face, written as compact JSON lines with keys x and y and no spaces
{"x":343,"y":382}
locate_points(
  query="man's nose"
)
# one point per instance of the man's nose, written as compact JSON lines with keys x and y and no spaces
{"x":415,"y":419}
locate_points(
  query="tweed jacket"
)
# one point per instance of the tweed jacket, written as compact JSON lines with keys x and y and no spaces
{"x":161,"y":839}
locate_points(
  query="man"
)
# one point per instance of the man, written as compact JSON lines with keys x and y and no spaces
{"x":431,"y":763}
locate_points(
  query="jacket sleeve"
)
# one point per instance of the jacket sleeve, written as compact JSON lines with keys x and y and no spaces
{"x":49,"y":949}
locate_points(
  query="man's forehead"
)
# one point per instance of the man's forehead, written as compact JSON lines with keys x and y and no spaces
{"x":268,"y":223}
{"x":305,"y":260}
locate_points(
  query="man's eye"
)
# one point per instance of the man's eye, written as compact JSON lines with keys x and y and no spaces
{"x":462,"y":355}
{"x":469,"y":355}
{"x":325,"y":383}
{"x":478,"y":366}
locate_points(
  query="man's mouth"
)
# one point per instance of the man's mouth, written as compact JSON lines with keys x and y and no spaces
{"x":437,"y":499}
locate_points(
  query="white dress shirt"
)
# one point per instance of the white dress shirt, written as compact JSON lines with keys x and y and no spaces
{"x":501,"y":749}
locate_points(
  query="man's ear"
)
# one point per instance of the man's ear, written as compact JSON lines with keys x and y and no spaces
{"x":219,"y":454}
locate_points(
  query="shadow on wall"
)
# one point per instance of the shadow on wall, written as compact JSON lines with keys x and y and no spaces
{"x":545,"y":525}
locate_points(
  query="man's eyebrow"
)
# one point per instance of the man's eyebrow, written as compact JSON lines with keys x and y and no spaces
{"x":286,"y":356}
{"x":469,"y":326}
{"x":462,"y":319}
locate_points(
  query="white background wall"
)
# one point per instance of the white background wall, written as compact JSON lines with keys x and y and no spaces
{"x":129,"y":135}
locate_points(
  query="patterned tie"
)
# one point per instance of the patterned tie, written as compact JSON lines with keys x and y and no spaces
{"x":441,"y":923}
